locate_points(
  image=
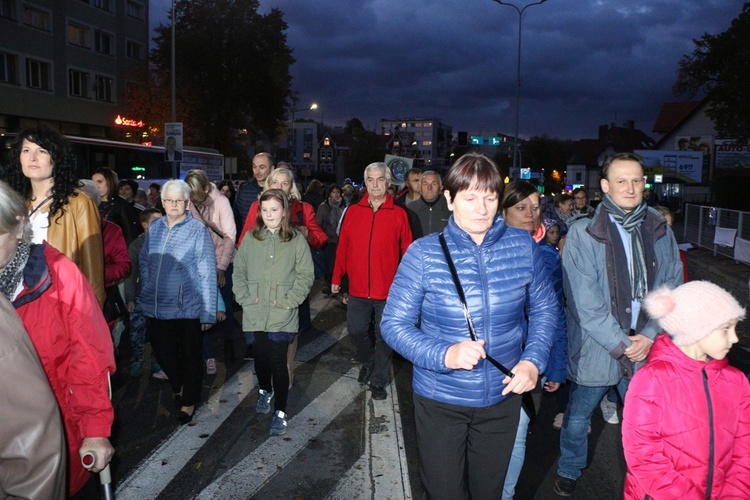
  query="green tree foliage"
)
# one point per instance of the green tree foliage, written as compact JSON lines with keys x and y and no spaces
{"x":719,"y":67}
{"x":232,"y":69}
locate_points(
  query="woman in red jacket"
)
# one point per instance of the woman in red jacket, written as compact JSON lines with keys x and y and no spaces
{"x":686,"y":422}
{"x":62,"y":316}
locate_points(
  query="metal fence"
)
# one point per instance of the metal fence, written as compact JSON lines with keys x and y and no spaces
{"x":700,"y":223}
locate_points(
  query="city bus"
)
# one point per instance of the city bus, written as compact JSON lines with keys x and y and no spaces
{"x":136,"y":161}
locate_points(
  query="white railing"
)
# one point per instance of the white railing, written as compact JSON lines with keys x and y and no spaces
{"x":700,"y":223}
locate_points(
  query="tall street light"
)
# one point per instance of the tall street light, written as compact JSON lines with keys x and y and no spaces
{"x":294,"y":135}
{"x":518,"y":73}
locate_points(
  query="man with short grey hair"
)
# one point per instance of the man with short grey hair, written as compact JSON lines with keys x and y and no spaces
{"x":374,"y":236}
{"x":431,"y":208}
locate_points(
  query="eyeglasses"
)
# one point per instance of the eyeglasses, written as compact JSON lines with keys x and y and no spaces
{"x":167,"y":201}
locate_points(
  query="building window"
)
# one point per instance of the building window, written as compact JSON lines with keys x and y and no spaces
{"x":36,"y":18}
{"x":135,"y":9}
{"x":37,"y":74}
{"x":426,"y":143}
{"x":8,"y":66}
{"x":103,"y":42}
{"x":8,"y":9}
{"x":78,"y":35}
{"x":101,"y":4}
{"x":78,"y":83}
{"x":103,"y":88}
{"x":134,"y":50}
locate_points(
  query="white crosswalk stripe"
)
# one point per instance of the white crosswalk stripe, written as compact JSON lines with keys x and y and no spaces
{"x":379,"y":473}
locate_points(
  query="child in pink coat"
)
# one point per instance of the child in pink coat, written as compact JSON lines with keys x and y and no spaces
{"x":686,"y":422}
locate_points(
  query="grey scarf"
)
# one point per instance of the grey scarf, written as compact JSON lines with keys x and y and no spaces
{"x":12,"y":274}
{"x":631,"y":222}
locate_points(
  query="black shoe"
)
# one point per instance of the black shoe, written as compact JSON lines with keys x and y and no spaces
{"x":229,"y":356}
{"x":183,"y":418}
{"x":249,"y":352}
{"x":563,"y":486}
{"x":364,"y":375}
{"x":378,"y":393}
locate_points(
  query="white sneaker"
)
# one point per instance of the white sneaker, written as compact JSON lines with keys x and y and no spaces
{"x":557,"y":424}
{"x":609,"y":411}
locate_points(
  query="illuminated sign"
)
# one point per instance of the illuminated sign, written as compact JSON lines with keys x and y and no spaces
{"x":138,"y":169}
{"x":496,"y":141}
{"x":129,"y":122}
{"x":477,"y":140}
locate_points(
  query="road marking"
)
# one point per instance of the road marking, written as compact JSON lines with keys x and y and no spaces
{"x":155,"y":472}
{"x":374,"y":474}
{"x":256,"y":469}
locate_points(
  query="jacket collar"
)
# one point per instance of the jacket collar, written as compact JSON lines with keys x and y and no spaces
{"x":599,"y":223}
{"x":387,"y":204}
{"x":463,"y":239}
{"x":664,"y":349}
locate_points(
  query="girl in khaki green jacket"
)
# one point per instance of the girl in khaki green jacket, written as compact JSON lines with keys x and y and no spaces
{"x":273,"y":273}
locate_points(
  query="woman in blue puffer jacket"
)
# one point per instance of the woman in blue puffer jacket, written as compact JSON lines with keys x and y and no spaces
{"x":466,"y":409}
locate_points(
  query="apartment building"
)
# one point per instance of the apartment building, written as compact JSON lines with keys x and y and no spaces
{"x":67,"y":63}
{"x":425,"y":138}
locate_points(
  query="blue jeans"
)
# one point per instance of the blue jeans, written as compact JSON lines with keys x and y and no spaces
{"x":574,"y":435}
{"x":517,"y":457}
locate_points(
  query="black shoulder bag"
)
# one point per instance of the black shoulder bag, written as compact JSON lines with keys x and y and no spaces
{"x":467,"y":315}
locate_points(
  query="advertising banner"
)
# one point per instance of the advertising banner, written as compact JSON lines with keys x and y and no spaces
{"x":730,"y":156}
{"x":687,"y":166}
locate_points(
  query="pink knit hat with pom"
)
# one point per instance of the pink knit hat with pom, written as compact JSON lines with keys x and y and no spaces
{"x":692,"y":311}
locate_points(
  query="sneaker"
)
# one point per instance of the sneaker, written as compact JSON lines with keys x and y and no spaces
{"x":135,"y":368}
{"x":609,"y":411}
{"x":211,"y":366}
{"x":160,"y":375}
{"x":278,"y":424}
{"x":248,"y":353}
{"x":557,"y":423}
{"x":565,"y":486}
{"x":264,"y":402}
{"x":364,"y":375}
{"x":378,"y":393}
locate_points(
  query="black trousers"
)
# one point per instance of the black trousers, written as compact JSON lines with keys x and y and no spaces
{"x":464,"y":452}
{"x":372,"y":350}
{"x":271,"y":369}
{"x":178,"y":345}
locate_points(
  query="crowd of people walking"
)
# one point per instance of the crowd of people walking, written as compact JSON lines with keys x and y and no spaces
{"x":492,"y":298}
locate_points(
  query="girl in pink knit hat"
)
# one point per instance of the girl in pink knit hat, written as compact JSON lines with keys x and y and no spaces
{"x":686,"y":422}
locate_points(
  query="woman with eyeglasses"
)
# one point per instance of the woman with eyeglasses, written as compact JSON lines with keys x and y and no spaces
{"x":178,"y":294}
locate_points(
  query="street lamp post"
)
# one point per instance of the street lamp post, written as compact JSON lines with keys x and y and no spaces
{"x":294,"y":135}
{"x":518,"y":72}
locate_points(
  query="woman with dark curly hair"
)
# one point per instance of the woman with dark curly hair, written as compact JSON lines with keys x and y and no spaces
{"x":42,"y":168}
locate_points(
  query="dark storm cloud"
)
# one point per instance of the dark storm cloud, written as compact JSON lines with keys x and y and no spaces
{"x":584,"y":62}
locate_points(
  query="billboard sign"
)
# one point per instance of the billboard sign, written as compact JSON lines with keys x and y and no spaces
{"x":687,"y":166}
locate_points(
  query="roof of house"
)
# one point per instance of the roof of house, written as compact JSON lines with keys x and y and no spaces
{"x":672,"y":114}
